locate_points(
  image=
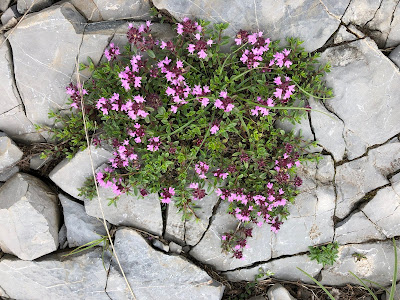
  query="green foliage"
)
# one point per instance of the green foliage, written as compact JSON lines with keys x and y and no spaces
{"x":325,"y":255}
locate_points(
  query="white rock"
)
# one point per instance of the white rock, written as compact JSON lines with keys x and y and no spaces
{"x":80,"y":276}
{"x":31,"y":217}
{"x":357,"y":229}
{"x":81,"y":228}
{"x":143,"y":213}
{"x":154,"y":275}
{"x":365,"y":85}
{"x":70,"y":175}
{"x":278,"y":292}
{"x":378,"y":264}
{"x":283,"y":268}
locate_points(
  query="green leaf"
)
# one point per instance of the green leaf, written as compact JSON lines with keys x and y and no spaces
{"x":151,"y":53}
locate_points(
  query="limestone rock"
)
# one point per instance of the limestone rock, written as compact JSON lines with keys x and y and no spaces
{"x":372,"y":15}
{"x":310,"y":222}
{"x":160,"y":245}
{"x":393,"y":38}
{"x":358,"y":177}
{"x":377,"y":265}
{"x":314,"y":23}
{"x":24,"y":5}
{"x":44,"y":68}
{"x":4,"y":4}
{"x":357,"y":229}
{"x":18,"y":127}
{"x":80,"y":276}
{"x":328,"y":129}
{"x":36,"y":162}
{"x":325,"y":170}
{"x":10,"y":13}
{"x":278,"y":292}
{"x":31,"y":218}
{"x":9,"y":153}
{"x":81,"y":228}
{"x":384,"y":210}
{"x":365,"y":83}
{"x":175,"y":248}
{"x":208,"y":250}
{"x":146,"y":268}
{"x":70,"y":175}
{"x":8,"y":173}
{"x":143,"y":213}
{"x":190,"y":231}
{"x":344,"y":35}
{"x":283,"y":268}
{"x":395,"y":56}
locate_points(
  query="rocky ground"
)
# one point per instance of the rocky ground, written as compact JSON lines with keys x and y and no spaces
{"x":351,"y":196}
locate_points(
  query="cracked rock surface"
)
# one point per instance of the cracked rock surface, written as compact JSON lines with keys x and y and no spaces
{"x":30,"y":218}
{"x":352,"y":195}
{"x":154,"y":275}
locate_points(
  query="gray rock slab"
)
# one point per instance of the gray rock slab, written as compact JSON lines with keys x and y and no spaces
{"x":395,"y":56}
{"x":310,"y":222}
{"x":278,"y":292}
{"x":208,"y":250}
{"x":80,"y":276}
{"x":175,"y":248}
{"x":10,"y":13}
{"x":357,"y":228}
{"x":154,"y":275}
{"x":31,"y":217}
{"x":70,"y":175}
{"x":384,"y":210}
{"x":365,"y":85}
{"x":378,"y":264}
{"x":8,"y":173}
{"x":124,"y":9}
{"x":283,"y":268}
{"x":10,"y":154}
{"x":88,"y":9}
{"x":344,"y":35}
{"x":328,"y":129}
{"x":33,"y":5}
{"x":9,"y":97}
{"x":190,"y":231}
{"x":314,"y":24}
{"x":36,"y":162}
{"x":358,"y":177}
{"x":44,"y":68}
{"x":143,"y":213}
{"x":325,"y":170}
{"x":373,"y":15}
{"x":4,"y":4}
{"x":18,"y":127}
{"x":393,"y":38}
{"x":81,"y":228}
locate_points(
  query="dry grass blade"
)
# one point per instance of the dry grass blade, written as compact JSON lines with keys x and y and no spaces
{"x":95,"y":181}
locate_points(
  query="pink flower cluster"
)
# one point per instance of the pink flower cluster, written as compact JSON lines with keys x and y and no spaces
{"x":214,"y":127}
{"x":197,"y":192}
{"x":138,"y":133}
{"x":252,"y":57}
{"x":221,"y":174}
{"x":201,"y":169}
{"x":260,"y":109}
{"x":141,"y":36}
{"x":226,"y":103}
{"x":105,"y":105}
{"x":237,"y":241}
{"x":135,"y":109}
{"x":281,"y":59}
{"x":284,"y":89}
{"x":114,"y":184}
{"x":112,"y":52}
{"x":255,"y":208}
{"x":75,"y":94}
{"x":128,"y":76}
{"x":188,"y":27}
{"x":167,"y":194}
{"x":123,"y":155}
{"x":154,"y":144}
{"x":200,"y":46}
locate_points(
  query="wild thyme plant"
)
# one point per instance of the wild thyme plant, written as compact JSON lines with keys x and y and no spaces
{"x":182,"y":115}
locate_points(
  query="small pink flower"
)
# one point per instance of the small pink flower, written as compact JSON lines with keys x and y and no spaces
{"x":202,"y":54}
{"x":191,"y":48}
{"x":214,"y":129}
